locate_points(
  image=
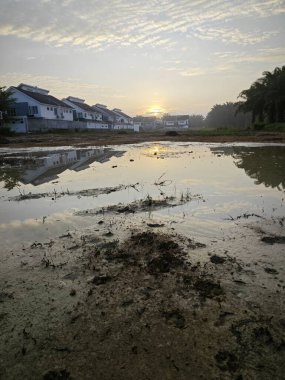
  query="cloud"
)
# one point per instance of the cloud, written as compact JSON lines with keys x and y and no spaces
{"x":235,"y":36}
{"x":98,"y":24}
{"x":193,"y":72}
{"x":62,"y":88}
{"x":267,"y":55}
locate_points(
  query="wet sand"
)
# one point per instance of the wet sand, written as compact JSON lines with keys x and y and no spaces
{"x":100,"y":138}
{"x":128,"y":299}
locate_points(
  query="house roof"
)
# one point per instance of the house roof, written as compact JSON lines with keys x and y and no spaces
{"x":83,"y":106}
{"x":182,"y":117}
{"x":145,"y":118}
{"x":105,"y":111}
{"x":42,"y":98}
{"x":175,"y":117}
{"x":120,"y":113}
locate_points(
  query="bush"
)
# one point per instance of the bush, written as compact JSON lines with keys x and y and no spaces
{"x":6,"y":131}
{"x":171,"y":133}
{"x":3,"y":140}
{"x":258,"y":127}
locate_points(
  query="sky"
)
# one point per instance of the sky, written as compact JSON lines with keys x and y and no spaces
{"x":143,"y":56}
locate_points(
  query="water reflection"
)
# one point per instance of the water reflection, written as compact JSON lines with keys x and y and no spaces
{"x":41,"y":167}
{"x":264,"y":164}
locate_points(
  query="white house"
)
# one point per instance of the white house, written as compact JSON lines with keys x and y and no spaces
{"x":122,"y":121}
{"x":177,"y":121}
{"x":84,"y":112}
{"x":115,"y":118}
{"x":183,"y":121}
{"x":35,"y":102}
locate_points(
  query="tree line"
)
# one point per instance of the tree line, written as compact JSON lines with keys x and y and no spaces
{"x":265,"y":98}
{"x":262,"y":103}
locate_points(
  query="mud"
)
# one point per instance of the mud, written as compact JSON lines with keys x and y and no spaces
{"x":147,"y":204}
{"x":100,"y":138}
{"x":143,"y":302}
{"x":81,"y":193}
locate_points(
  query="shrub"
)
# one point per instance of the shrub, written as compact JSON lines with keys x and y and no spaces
{"x":171,"y":133}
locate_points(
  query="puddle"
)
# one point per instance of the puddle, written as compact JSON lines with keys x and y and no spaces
{"x":49,"y":191}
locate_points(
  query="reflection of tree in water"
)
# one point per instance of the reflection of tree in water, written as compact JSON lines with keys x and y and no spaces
{"x":10,"y":177}
{"x":264,"y":164}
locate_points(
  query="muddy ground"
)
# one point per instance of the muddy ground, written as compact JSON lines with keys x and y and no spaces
{"x":130,"y":299}
{"x":100,"y":138}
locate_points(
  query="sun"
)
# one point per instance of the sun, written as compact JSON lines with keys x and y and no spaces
{"x":155,"y":110}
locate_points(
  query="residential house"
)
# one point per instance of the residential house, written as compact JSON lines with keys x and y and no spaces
{"x":145,"y":122}
{"x":35,"y":102}
{"x":175,"y":121}
{"x":123,"y":121}
{"x":183,"y":121}
{"x":84,"y":112}
{"x":115,"y":118}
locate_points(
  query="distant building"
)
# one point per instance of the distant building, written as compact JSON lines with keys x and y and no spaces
{"x":84,"y":112}
{"x":145,"y":122}
{"x":176,"y":121}
{"x":35,"y":102}
{"x":115,"y":118}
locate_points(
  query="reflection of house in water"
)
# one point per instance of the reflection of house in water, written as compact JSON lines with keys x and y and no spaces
{"x":49,"y":167}
{"x":265,"y":164}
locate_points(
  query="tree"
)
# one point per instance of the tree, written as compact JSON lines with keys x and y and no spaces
{"x":196,"y":121}
{"x":6,"y":102}
{"x":225,"y":116}
{"x":266,"y":97}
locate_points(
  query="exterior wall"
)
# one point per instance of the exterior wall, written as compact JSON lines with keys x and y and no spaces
{"x":45,"y":125}
{"x":81,"y":113}
{"x":22,"y":98}
{"x":169,"y":123}
{"x":48,"y":112}
{"x":97,"y":125}
{"x":183,"y":123}
{"x":44,"y":111}
{"x":18,"y":124}
{"x":123,"y":126}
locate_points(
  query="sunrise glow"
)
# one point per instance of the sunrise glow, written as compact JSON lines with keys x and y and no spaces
{"x":156,"y":110}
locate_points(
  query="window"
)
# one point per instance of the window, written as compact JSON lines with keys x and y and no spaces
{"x":33,"y":110}
{"x":48,"y":108}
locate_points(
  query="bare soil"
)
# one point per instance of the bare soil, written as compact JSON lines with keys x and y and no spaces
{"x":127,"y":299}
{"x":100,"y":138}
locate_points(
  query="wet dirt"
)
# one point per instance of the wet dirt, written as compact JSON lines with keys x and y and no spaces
{"x":81,"y":193}
{"x":100,"y":138}
{"x":147,"y":204}
{"x":143,"y":303}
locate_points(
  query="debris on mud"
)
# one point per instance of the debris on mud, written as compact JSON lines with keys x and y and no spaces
{"x":215,"y":259}
{"x":273,"y":239}
{"x":208,"y":288}
{"x":175,"y":318}
{"x":143,"y":205}
{"x":81,"y":193}
{"x":57,"y":375}
{"x":227,"y":361}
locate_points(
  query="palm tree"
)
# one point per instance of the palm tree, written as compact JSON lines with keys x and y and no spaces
{"x":266,"y":97}
{"x":254,"y":101}
{"x":275,"y":84}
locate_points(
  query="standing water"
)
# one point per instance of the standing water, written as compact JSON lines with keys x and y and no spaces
{"x":48,"y":191}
